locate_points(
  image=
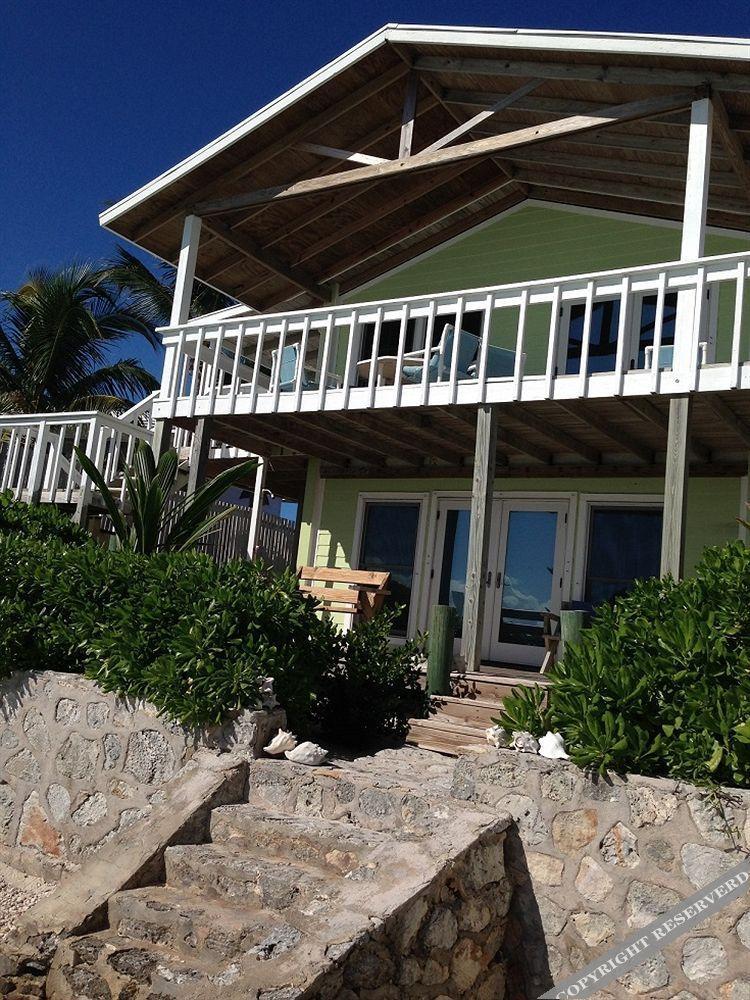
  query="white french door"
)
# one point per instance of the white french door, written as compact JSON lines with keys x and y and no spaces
{"x":526,"y":578}
{"x":525,"y":572}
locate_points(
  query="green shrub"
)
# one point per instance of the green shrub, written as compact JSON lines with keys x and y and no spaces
{"x":37,"y":521}
{"x":660,"y":683}
{"x":374,"y":689}
{"x":525,"y":711}
{"x":197,"y":639}
{"x":194,"y":638}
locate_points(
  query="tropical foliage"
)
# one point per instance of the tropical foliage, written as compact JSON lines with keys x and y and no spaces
{"x":660,"y":682}
{"x":59,"y":334}
{"x":42,"y":522}
{"x":194,"y":638}
{"x":158,"y":522}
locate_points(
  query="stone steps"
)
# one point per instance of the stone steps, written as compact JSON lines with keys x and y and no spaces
{"x":222,"y":871}
{"x":330,"y":844}
{"x":314,"y":888}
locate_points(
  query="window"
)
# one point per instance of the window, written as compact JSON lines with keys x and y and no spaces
{"x":390,"y":331}
{"x":452,"y":590}
{"x":624,"y":546}
{"x":389,"y":544}
{"x":605,"y":319}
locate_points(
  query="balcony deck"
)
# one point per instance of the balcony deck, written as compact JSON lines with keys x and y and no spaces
{"x":323,"y":366}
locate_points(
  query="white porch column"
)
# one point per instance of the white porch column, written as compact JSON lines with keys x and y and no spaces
{"x":257,"y":508}
{"x":687,"y":336}
{"x":183,"y":294}
{"x":485,"y":462}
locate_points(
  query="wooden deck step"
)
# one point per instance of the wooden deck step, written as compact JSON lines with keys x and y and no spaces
{"x":446,"y":735}
{"x":476,"y":710}
{"x":494,"y":686}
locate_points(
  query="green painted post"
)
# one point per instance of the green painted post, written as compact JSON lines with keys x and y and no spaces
{"x":440,"y":649}
{"x":571,"y":623}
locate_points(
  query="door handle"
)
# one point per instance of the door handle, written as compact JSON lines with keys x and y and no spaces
{"x":498,"y":581}
{"x":489,"y":578}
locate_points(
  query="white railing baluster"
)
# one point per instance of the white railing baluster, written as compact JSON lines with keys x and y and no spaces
{"x":174,"y":372}
{"x":234,"y":379}
{"x":216,"y":375}
{"x":328,"y":332}
{"x":349,"y":367}
{"x":15,"y":457}
{"x":279,"y":361}
{"x":73,"y":460}
{"x":428,"y":348}
{"x":255,"y":384}
{"x":56,"y":469}
{"x":623,"y":335}
{"x":554,"y":335}
{"x":22,"y":475}
{"x":520,"y":342}
{"x":697,"y":329}
{"x":583,"y":371}
{"x":661,"y":298}
{"x":5,"y":480}
{"x":739,"y":305}
{"x":129,"y":451}
{"x":197,"y":373}
{"x":484,"y":347}
{"x":372,"y":378}
{"x":301,"y":363}
{"x":401,"y":350}
{"x":453,"y":377}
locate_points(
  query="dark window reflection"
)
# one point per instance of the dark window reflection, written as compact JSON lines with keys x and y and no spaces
{"x":453,"y":569}
{"x":389,"y":543}
{"x":624,"y":546}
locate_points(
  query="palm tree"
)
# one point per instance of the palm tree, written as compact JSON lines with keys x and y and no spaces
{"x":58,"y":334}
{"x":152,"y":291}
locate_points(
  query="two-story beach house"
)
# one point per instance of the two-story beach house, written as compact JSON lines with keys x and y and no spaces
{"x":494,"y":328}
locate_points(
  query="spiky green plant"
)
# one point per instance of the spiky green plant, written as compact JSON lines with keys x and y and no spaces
{"x":155,"y":522}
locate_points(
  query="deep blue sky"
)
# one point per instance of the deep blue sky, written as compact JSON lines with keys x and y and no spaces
{"x":96,"y":99}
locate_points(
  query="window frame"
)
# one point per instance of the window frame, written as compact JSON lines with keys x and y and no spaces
{"x":587,"y":503}
{"x":392,"y":497}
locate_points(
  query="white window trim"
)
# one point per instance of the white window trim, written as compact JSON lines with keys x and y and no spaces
{"x":421,"y":498}
{"x":708,"y":334}
{"x":587,"y":501}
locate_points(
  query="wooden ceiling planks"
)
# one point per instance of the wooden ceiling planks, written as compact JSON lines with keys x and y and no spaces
{"x":575,"y":169}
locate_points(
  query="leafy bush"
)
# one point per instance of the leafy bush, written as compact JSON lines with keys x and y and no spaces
{"x":37,"y":521}
{"x":197,"y":639}
{"x":660,"y":683}
{"x":194,"y":638}
{"x":525,"y":711}
{"x":374,"y":689}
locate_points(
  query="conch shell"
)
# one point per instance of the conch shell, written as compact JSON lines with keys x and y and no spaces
{"x":498,"y":737}
{"x":307,"y":753}
{"x":525,"y":742}
{"x":552,"y":746}
{"x":282,"y":741}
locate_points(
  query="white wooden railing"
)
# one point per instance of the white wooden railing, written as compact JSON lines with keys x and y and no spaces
{"x":37,"y":458}
{"x":232,"y":367}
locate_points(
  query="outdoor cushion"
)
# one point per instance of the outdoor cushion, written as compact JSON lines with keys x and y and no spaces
{"x":500,"y":361}
{"x":441,"y":358}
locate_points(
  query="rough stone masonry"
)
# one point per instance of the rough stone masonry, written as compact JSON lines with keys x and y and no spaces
{"x":593,"y":859}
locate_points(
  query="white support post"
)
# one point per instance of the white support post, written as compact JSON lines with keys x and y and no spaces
{"x":687,"y":336}
{"x":183,"y":288}
{"x":693,"y":241}
{"x":257,"y":508}
{"x":317,"y":511}
{"x":183,"y":296}
{"x":485,"y":460}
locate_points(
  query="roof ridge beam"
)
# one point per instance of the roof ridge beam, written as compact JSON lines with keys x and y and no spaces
{"x":623,"y":75}
{"x":493,"y":145}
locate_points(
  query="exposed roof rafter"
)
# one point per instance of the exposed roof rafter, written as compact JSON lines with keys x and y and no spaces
{"x":493,"y":145}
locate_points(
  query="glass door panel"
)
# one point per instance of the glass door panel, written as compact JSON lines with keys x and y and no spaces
{"x":389,"y":544}
{"x":528,"y":579}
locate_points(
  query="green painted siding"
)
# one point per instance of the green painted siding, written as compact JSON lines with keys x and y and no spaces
{"x":536,"y":242}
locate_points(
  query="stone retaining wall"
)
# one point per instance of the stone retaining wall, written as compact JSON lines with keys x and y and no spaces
{"x":594,"y":859}
{"x":78,"y":766}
